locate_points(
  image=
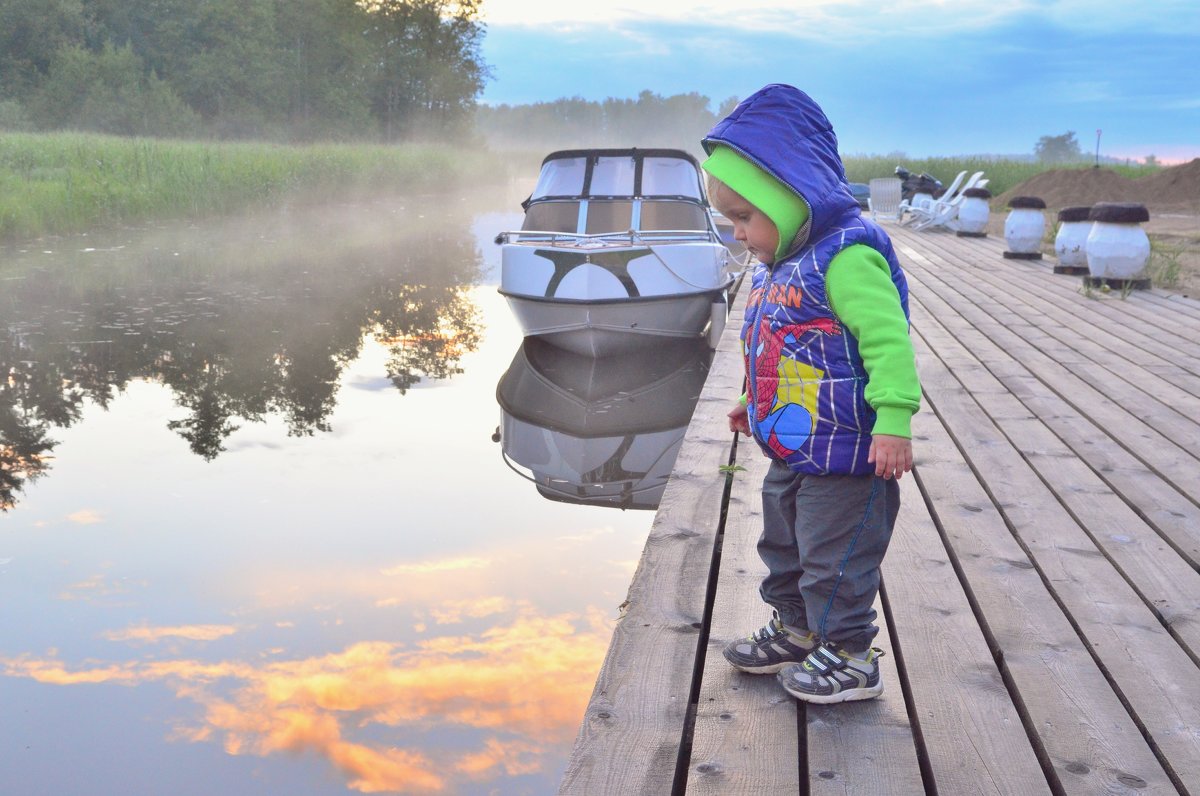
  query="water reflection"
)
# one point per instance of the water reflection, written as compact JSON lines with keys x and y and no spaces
{"x":351,"y":596}
{"x":331,"y":705}
{"x":599,"y":431}
{"x":239,"y":329}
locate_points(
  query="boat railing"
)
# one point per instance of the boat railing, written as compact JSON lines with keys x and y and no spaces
{"x":623,"y":237}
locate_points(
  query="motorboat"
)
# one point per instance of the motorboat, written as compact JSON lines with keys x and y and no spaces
{"x":599,"y":431}
{"x":618,"y":248}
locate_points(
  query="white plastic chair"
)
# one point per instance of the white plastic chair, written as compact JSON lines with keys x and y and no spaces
{"x":944,"y":210}
{"x":923,"y":212}
{"x":885,"y":198}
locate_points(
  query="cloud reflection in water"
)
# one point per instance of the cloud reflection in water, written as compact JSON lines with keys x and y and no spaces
{"x":524,"y":683}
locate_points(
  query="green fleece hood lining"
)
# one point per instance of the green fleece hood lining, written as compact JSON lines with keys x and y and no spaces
{"x":781,"y":204}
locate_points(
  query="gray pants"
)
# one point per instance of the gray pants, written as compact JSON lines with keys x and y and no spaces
{"x":824,"y":537}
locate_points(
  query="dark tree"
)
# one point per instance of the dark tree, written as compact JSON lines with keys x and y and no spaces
{"x":1058,"y":148}
{"x":429,"y":71}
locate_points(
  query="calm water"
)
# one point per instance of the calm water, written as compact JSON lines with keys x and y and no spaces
{"x":289,"y":508}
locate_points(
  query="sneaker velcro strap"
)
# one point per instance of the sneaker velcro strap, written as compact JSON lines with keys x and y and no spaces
{"x":825,"y":660}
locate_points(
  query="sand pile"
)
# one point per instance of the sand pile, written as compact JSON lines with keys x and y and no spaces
{"x":1175,"y":188}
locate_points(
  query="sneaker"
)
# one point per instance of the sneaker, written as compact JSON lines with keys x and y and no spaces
{"x":827,"y":676}
{"x":769,"y":649}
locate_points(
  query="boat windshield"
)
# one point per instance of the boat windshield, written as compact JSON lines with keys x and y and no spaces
{"x":561,"y":177}
{"x":665,"y":215}
{"x":613,"y":177}
{"x":670,"y":177}
{"x":618,"y":175}
{"x":608,"y":216}
{"x":552,"y":217}
{"x":603,"y":216}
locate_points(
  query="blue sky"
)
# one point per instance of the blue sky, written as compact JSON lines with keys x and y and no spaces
{"x":923,"y":77}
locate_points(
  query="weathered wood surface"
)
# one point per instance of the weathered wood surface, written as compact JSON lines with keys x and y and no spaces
{"x":634,"y":724}
{"x":1041,"y":601}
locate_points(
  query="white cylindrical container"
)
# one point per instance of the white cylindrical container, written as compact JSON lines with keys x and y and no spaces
{"x":1070,"y":243}
{"x":1117,"y":246}
{"x":1025,"y":227}
{"x":973,"y":213}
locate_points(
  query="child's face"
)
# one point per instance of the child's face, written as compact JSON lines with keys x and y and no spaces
{"x":750,"y":225}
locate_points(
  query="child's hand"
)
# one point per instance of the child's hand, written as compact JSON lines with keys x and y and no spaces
{"x":891,"y":455}
{"x":739,"y":419}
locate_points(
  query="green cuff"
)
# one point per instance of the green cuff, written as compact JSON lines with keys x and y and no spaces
{"x":895,"y":421}
{"x":781,"y":204}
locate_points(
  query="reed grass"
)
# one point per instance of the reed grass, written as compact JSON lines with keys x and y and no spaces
{"x":66,"y":182}
{"x":1002,"y":173}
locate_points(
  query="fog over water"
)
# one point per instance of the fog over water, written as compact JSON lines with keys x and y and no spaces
{"x":257,"y":535}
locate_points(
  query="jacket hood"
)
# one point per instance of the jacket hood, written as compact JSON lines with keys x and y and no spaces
{"x":784,"y":131}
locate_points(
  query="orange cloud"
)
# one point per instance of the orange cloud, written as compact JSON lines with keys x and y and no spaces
{"x":442,"y":565}
{"x":97,"y":586}
{"x":454,"y":611}
{"x":528,"y":681}
{"x":155,"y":634}
{"x":85,"y":517}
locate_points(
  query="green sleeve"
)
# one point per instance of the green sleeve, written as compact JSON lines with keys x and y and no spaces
{"x":859,"y":286}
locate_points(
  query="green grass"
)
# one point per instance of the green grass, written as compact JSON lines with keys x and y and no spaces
{"x":1002,"y":174}
{"x":68,"y":182}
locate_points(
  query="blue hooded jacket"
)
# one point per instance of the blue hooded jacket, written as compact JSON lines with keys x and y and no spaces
{"x":805,"y":377}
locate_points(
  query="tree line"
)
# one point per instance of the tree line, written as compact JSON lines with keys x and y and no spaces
{"x":293,"y":70}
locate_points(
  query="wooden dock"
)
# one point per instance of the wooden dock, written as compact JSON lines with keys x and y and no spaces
{"x":1041,"y":598}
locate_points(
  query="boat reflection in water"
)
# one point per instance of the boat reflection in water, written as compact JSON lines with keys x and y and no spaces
{"x":599,"y":431}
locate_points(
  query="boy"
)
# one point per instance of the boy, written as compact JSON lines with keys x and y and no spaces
{"x":831,"y":389}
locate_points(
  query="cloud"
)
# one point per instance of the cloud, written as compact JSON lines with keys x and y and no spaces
{"x":97,"y":586}
{"x":86,"y":517}
{"x":853,"y":20}
{"x":310,"y":705}
{"x":155,"y":634}
{"x":442,"y":565}
{"x":454,"y":611}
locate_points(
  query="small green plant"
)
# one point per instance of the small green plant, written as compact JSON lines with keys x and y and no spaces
{"x":1051,"y":234}
{"x":1164,"y":267}
{"x":730,"y":469}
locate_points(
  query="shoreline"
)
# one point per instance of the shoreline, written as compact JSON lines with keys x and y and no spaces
{"x":63,"y":183}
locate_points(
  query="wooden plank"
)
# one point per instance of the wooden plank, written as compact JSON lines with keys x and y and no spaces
{"x":1133,"y":312}
{"x":864,"y":747}
{"x":1095,"y":429}
{"x":1163,"y":579}
{"x":1144,"y":665}
{"x":1159,"y":376}
{"x":1141,"y":327}
{"x":746,"y":739}
{"x":632,"y":729}
{"x":746,"y":727}
{"x":1081,"y":731}
{"x":972,"y":733}
{"x":1192,"y":303}
{"x":1154,"y":449}
{"x":1166,"y":301}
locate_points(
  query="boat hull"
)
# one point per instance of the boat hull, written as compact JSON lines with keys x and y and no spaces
{"x":604,"y":300}
{"x":609,"y":328}
{"x":602,"y":432}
